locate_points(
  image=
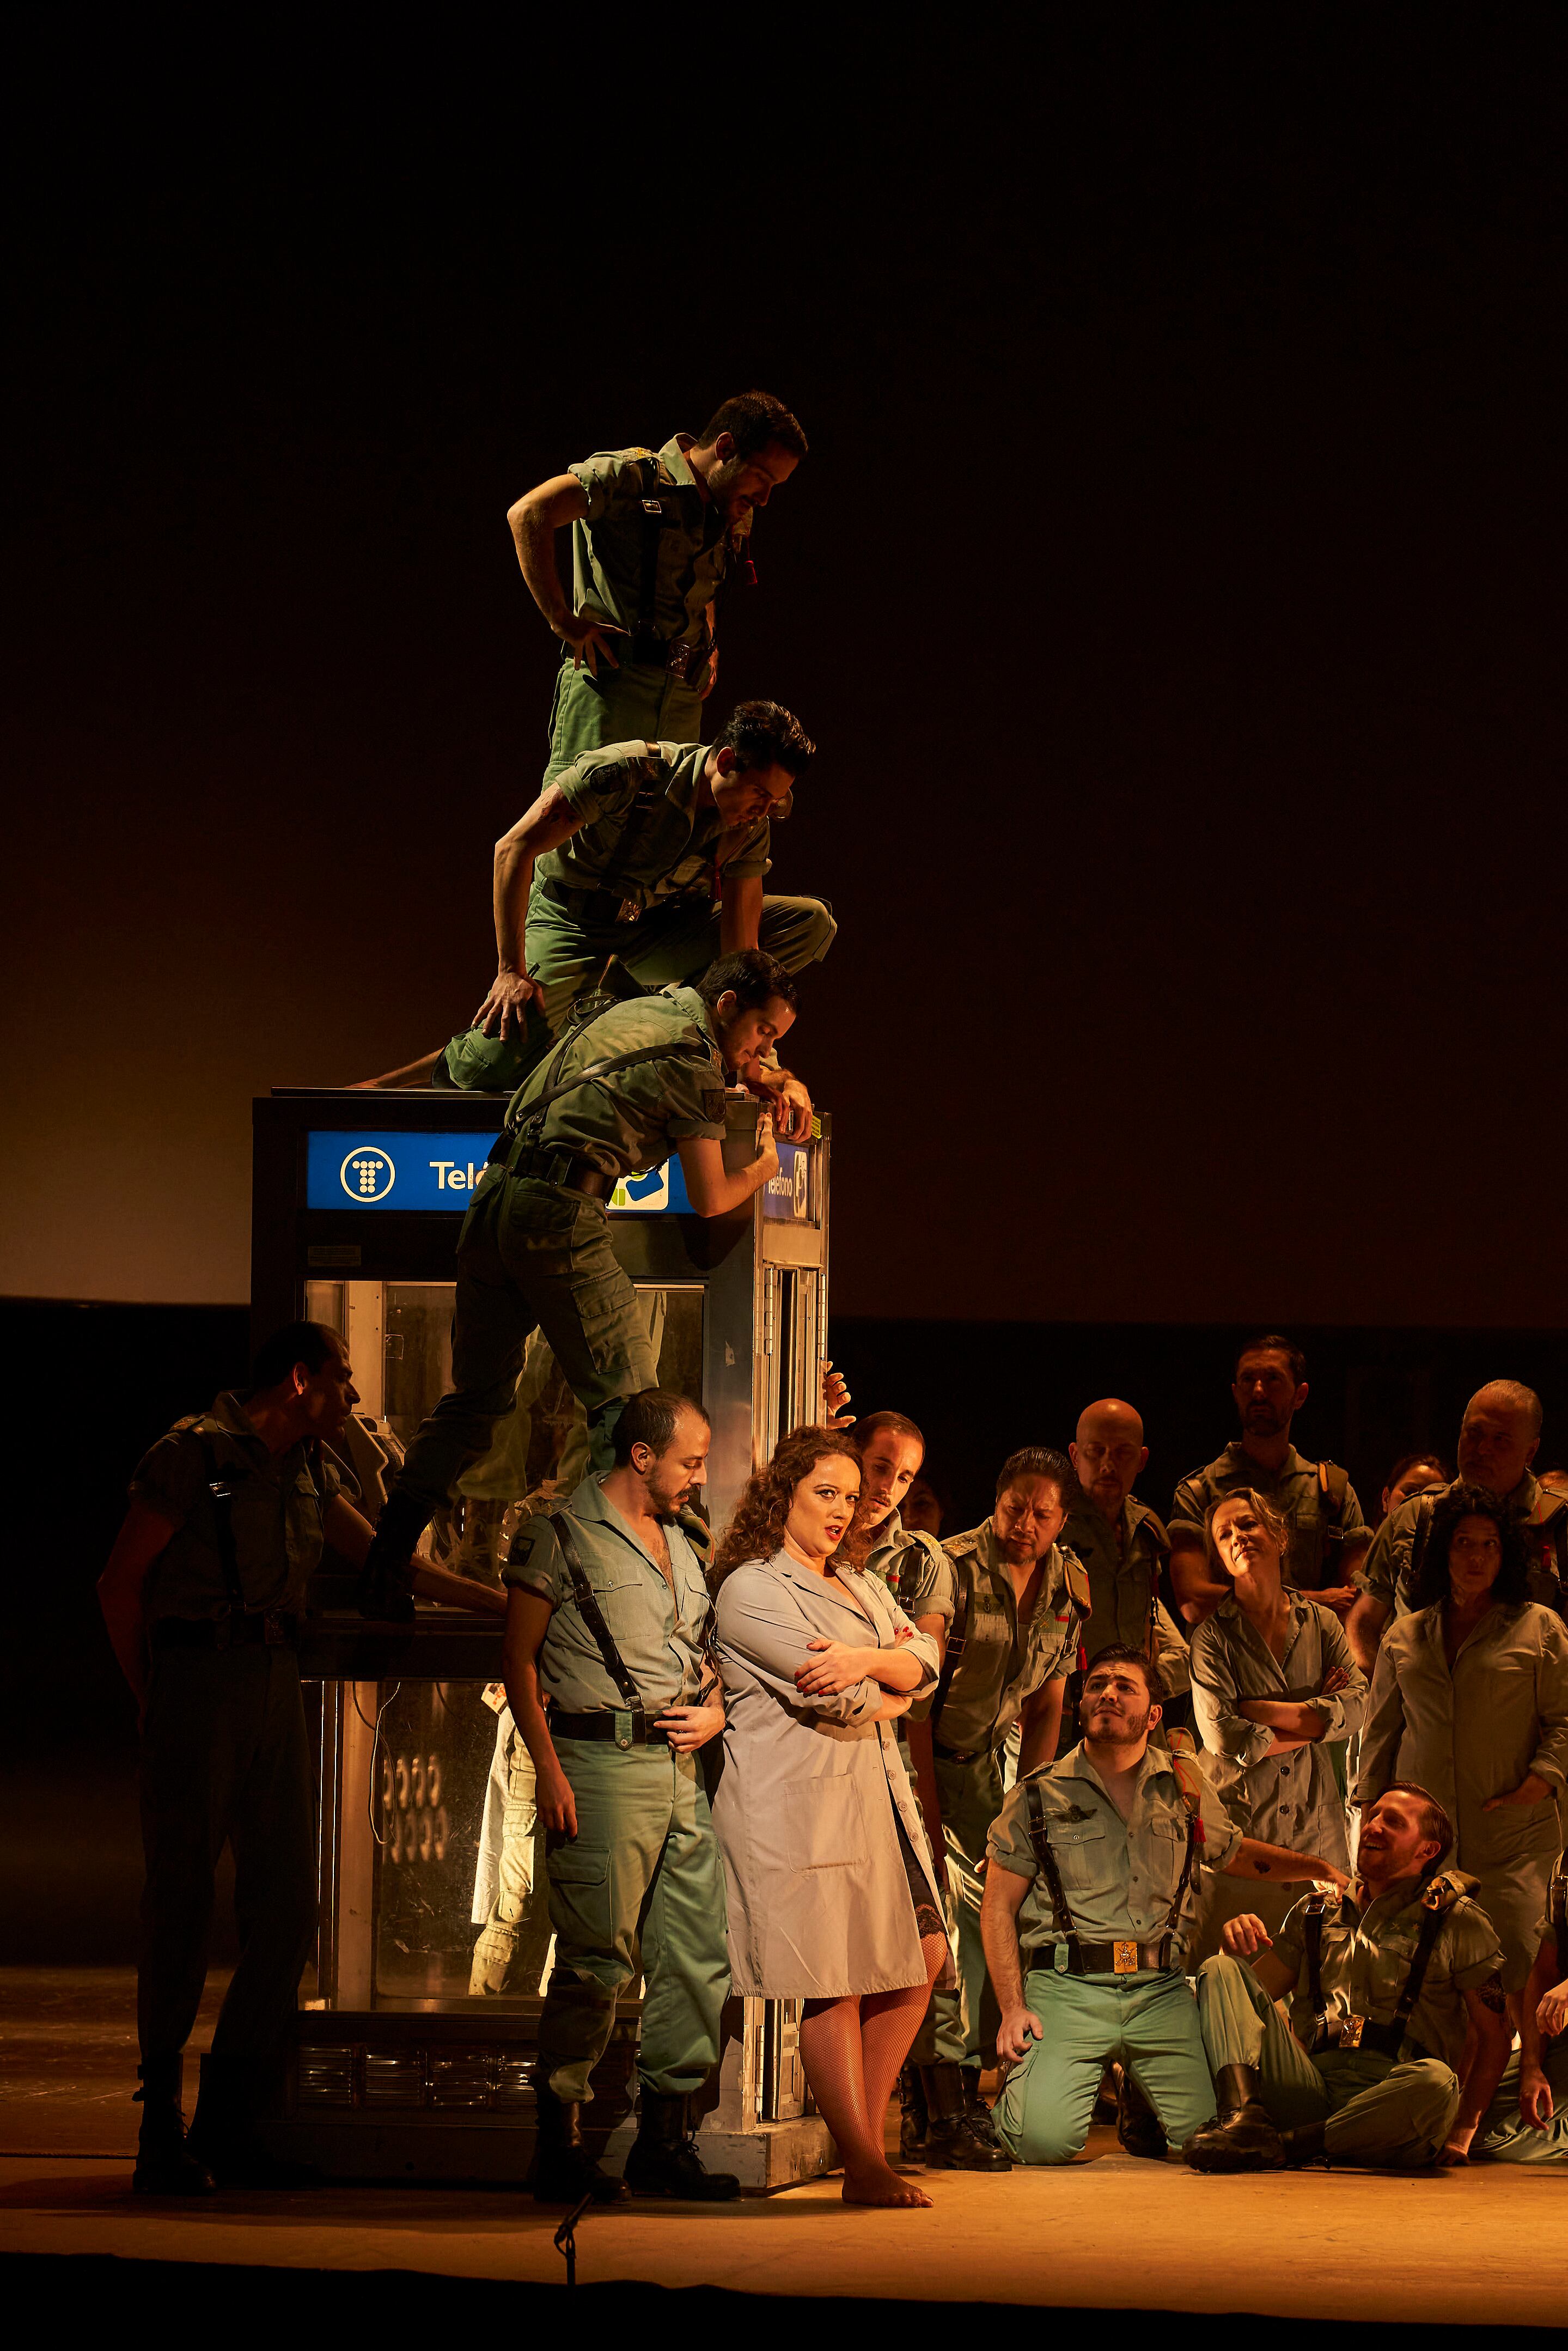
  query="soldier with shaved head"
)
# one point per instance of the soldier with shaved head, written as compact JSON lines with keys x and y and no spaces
{"x":1499,"y":1439}
{"x":1122,"y":1545}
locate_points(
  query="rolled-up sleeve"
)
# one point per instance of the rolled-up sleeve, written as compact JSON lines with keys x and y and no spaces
{"x":1008,"y":1842}
{"x":1220,"y":1837}
{"x":759,"y":1623}
{"x":1551,"y":1758}
{"x":1382,"y":1728}
{"x":920,"y":1646}
{"x":1346,"y":1707}
{"x":1215,"y":1700}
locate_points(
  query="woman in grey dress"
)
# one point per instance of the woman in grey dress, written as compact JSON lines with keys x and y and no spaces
{"x":833,"y":1897}
{"x":1469,"y":1696}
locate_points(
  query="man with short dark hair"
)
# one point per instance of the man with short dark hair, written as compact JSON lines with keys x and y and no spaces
{"x":652,"y":537}
{"x":1093,"y":1864}
{"x":1398,"y":2027}
{"x":1499,"y":1439}
{"x":1328,"y":1532}
{"x":203,"y":1595}
{"x":644,"y":1080}
{"x":609,"y":1618}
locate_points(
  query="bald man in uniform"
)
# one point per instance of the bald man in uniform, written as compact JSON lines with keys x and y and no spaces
{"x":1121,"y":1542}
{"x":1499,"y":1439}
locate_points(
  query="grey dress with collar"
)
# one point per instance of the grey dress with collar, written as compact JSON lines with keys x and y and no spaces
{"x":820,"y":1904}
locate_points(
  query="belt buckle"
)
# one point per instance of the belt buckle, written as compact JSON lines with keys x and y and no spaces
{"x":680,"y":660}
{"x":1350,"y":2032}
{"x":1125,"y":1959}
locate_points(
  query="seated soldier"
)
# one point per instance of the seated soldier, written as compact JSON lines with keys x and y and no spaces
{"x":1094,"y":1862}
{"x":1529,"y":2118}
{"x":1398,"y":2030}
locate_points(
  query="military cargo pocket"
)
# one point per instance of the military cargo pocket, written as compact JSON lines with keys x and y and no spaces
{"x":825,"y":1824}
{"x":580,"y":1902}
{"x":607,"y":1315}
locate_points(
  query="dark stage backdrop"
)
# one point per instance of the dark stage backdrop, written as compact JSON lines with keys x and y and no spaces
{"x":1174,"y":589}
{"x":100,"y":1383}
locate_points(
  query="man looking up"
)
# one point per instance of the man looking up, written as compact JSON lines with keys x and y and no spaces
{"x":609,"y":1618}
{"x":652,"y":537}
{"x":1328,"y":1534}
{"x":1093,"y":1866}
{"x":1121,"y":1542}
{"x":1399,"y":2030}
{"x":1499,"y":1439}
{"x":645,"y":1079}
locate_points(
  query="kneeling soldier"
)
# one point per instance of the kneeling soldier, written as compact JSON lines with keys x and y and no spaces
{"x":1385,"y":1983}
{"x":1092,"y":1865}
{"x":609,"y":1619}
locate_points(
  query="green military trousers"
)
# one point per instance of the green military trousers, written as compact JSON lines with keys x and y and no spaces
{"x":1148,"y":2021}
{"x":226,"y":1759}
{"x":1505,"y":2137}
{"x":530,"y":1256}
{"x":1373,"y":2110}
{"x":514,"y":1938}
{"x":960,"y":2026}
{"x":641,"y":1881}
{"x":669,"y":946}
{"x":617,"y":706}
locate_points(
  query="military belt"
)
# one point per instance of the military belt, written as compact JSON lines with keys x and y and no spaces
{"x":623,"y":1728}
{"x":567,"y":1173}
{"x":1086,"y":1959}
{"x":966,"y":1754}
{"x":647,"y":651}
{"x":273,"y":1630}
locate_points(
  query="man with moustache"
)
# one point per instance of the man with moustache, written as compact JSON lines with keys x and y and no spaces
{"x":1122,"y":1545}
{"x":1093,"y":1863}
{"x":1328,"y":1532}
{"x":1499,"y":1439}
{"x":1398,"y":2029}
{"x":609,"y":1618}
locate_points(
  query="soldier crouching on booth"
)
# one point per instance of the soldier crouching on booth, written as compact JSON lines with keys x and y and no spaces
{"x":620,"y":1095}
{"x":1093,"y":1866}
{"x":203,"y":1596}
{"x":1399,"y":2028}
{"x":609,"y":1619}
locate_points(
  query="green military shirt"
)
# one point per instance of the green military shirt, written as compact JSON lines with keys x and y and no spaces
{"x":919,"y":1574}
{"x":646,"y":833}
{"x":1120,"y":1876}
{"x":1287,"y":1800}
{"x":610,"y":545}
{"x":1367,"y":1956}
{"x":1124,"y":1574}
{"x":1296,"y":1491}
{"x":1386,"y":1570}
{"x":278,"y":1514}
{"x":633,"y":1118}
{"x":660,"y":1627}
{"x":1004,"y":1662}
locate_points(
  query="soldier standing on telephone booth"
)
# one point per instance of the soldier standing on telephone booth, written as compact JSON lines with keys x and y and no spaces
{"x":653,"y":538}
{"x":609,"y":1619}
{"x":1018,"y":1598}
{"x":617,"y":1097}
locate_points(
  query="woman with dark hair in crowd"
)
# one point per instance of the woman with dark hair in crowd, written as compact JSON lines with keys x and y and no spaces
{"x":1470,"y":1698}
{"x":1413,"y":1473}
{"x":833,"y":1897}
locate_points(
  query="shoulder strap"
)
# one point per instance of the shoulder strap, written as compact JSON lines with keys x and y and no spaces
{"x":1313,"y":1935}
{"x":917,"y":1547}
{"x":593,"y":1615}
{"x":1431,"y":1928}
{"x":957,"y":1632}
{"x":1557,"y":1910}
{"x":1419,"y":1542}
{"x":653,"y":524}
{"x":1180,"y":1899}
{"x":1334,"y":1485}
{"x":221,"y":1490}
{"x":1047,"y":1863}
{"x":532,"y":1112}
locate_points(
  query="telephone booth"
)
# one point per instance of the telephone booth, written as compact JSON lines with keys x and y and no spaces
{"x":414,"y":2048}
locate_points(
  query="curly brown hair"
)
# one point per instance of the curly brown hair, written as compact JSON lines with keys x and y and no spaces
{"x":757,"y":1530}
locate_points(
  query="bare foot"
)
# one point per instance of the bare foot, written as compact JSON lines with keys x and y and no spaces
{"x":882,"y":2185}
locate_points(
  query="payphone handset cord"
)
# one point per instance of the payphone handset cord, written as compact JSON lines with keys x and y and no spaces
{"x":593,"y":1615}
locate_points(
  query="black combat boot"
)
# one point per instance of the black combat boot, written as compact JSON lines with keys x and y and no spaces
{"x":386,"y":1580}
{"x":912,"y":2116}
{"x":664,"y":2161}
{"x":1243,"y":2138}
{"x":1304,"y":2145}
{"x":223,"y":2131}
{"x":956,"y":2140}
{"x":1138,"y":2126}
{"x":165,"y":2165}
{"x":564,"y":2172}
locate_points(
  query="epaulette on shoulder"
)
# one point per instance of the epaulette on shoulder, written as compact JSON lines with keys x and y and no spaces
{"x":697,"y":1532}
{"x":1547,"y":1506}
{"x":1449,"y":1888}
{"x":1152,"y":1519}
{"x":957,"y":1545}
{"x":1077,"y":1580}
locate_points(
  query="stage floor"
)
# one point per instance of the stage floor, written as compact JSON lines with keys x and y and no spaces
{"x":1487,"y":2247}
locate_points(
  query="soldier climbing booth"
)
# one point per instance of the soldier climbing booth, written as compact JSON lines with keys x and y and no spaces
{"x":400,"y":2069}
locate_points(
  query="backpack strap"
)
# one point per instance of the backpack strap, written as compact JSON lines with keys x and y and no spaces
{"x":221,"y":1487}
{"x":1312,"y":1936}
{"x":1045,"y":1859}
{"x":1437,"y":1906}
{"x":957,"y":1632}
{"x":531,"y":1114}
{"x":593,"y":1615}
{"x":1189,"y":1859}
